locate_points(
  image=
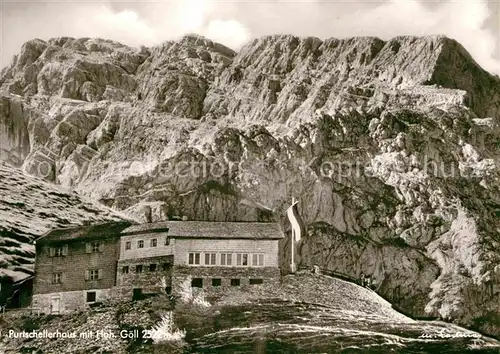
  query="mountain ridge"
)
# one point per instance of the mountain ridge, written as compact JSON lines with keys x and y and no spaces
{"x":390,"y":146}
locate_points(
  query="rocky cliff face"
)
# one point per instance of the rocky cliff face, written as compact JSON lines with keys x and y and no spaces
{"x":391,"y":147}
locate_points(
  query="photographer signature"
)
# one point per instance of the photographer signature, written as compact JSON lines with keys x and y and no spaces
{"x":444,"y":333}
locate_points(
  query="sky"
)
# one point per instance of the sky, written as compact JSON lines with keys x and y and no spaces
{"x":474,"y":23}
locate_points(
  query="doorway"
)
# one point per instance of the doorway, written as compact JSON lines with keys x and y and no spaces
{"x":137,"y":294}
{"x":55,"y":305}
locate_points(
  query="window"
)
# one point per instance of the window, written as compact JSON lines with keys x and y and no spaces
{"x":256,"y":281}
{"x":167,"y":241}
{"x":242,"y":259}
{"x":226,"y":259}
{"x":138,"y":268}
{"x":96,"y":246}
{"x":216,"y":282}
{"x":94,"y":274}
{"x":194,"y":258}
{"x":58,"y":251}
{"x":125,"y":270}
{"x":128,"y":245}
{"x":91,"y":296}
{"x":140,"y":244}
{"x":153,"y":242}
{"x":258,"y":260}
{"x":235,"y":282}
{"x":210,"y":258}
{"x":91,"y":247}
{"x":152,"y":267}
{"x":56,"y":278}
{"x":197,"y":283}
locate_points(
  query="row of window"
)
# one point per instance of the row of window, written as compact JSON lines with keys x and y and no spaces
{"x":90,"y":274}
{"x":226,"y":259}
{"x":92,"y":247}
{"x":198,"y":282}
{"x":140,"y":243}
{"x":96,"y":274}
{"x":151,"y":267}
{"x":61,"y":251}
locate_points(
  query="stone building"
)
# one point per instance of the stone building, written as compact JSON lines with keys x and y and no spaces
{"x":212,"y":253}
{"x":146,"y":259}
{"x":76,"y":267}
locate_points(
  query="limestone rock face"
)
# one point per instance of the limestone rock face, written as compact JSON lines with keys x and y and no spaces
{"x":30,"y":207}
{"x":391,"y":148}
{"x":14,"y":136}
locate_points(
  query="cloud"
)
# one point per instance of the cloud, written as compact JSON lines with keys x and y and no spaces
{"x":123,"y":26}
{"x":234,"y":23}
{"x":231,"y":32}
{"x":191,"y":14}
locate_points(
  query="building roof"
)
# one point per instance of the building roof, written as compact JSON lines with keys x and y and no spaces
{"x":91,"y":231}
{"x":210,"y":229}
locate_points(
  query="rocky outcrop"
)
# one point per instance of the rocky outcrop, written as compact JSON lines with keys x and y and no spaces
{"x":390,"y":146}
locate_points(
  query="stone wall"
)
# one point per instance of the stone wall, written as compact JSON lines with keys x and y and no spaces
{"x":181,"y":273}
{"x":69,"y":301}
{"x":150,"y":282}
{"x":119,"y":294}
{"x":146,"y":278}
